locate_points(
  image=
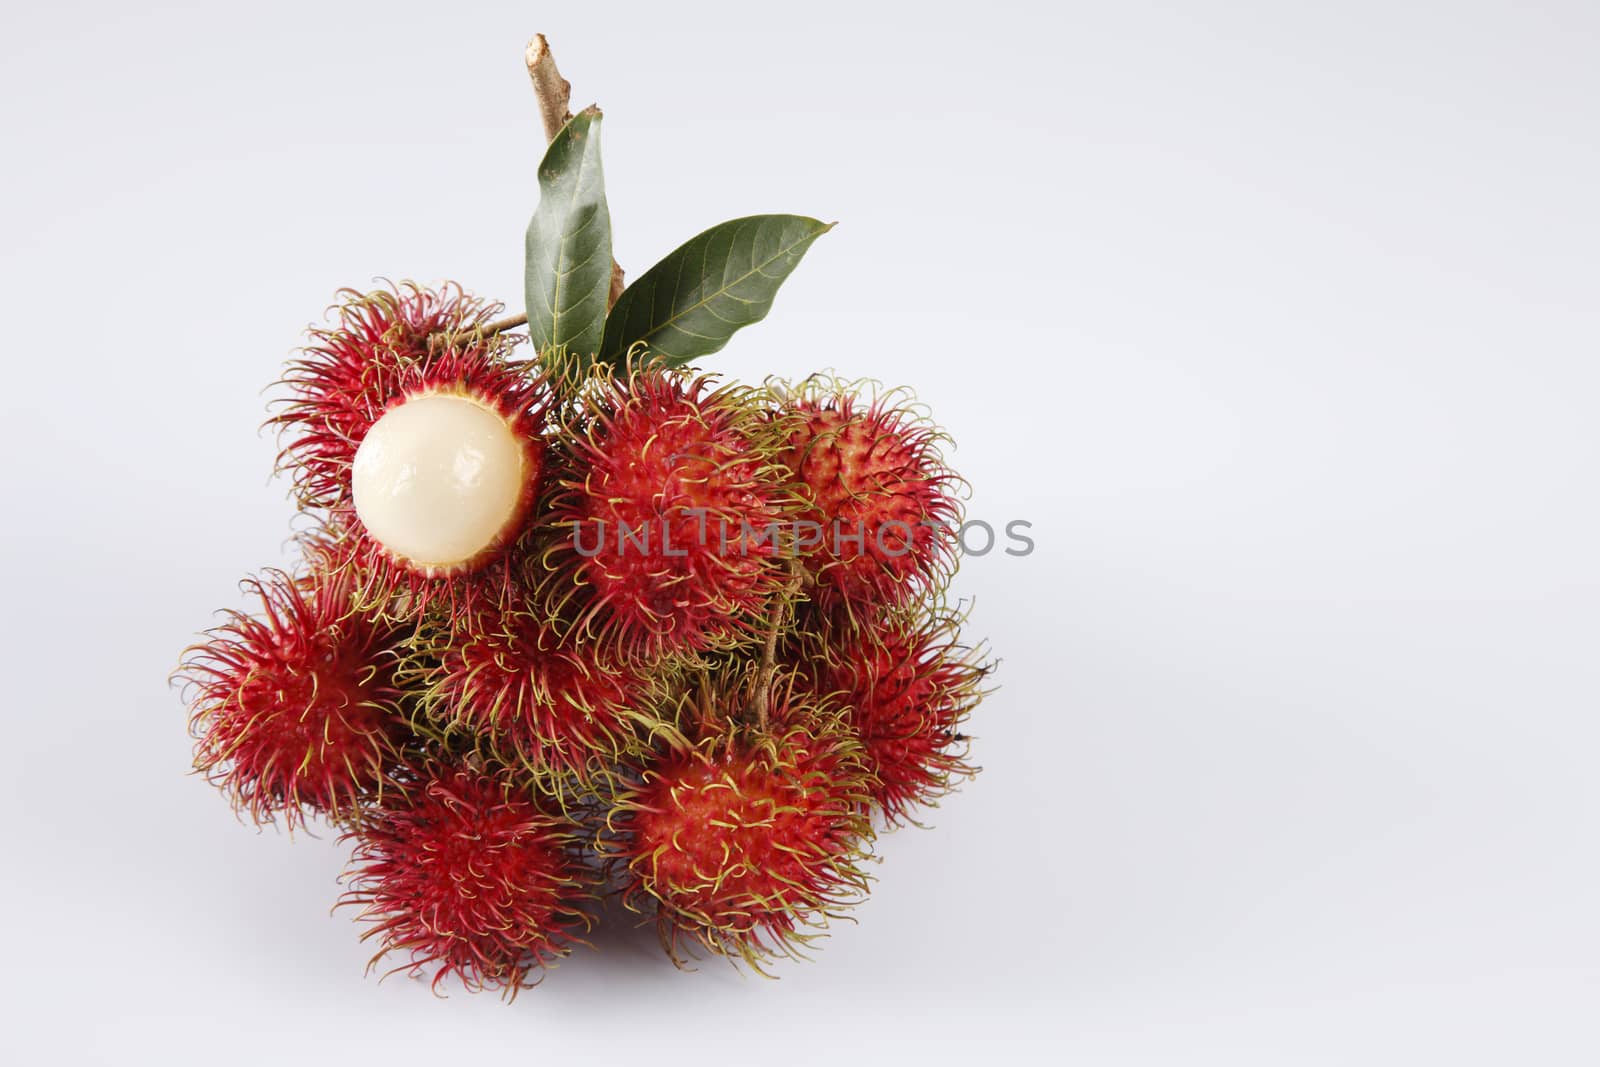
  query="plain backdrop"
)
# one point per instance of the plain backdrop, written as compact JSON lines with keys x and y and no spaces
{"x":1277,"y":320}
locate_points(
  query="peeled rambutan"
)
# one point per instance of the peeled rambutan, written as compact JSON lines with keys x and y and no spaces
{"x":671,"y":516}
{"x":879,"y":524}
{"x":466,"y":875}
{"x":909,"y":684}
{"x":746,"y":841}
{"x":444,"y":479}
{"x":296,"y":709}
{"x":552,"y":704}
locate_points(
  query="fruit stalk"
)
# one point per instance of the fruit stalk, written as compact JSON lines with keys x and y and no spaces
{"x":510,"y":322}
{"x":553,"y":92}
{"x":769,"y":651}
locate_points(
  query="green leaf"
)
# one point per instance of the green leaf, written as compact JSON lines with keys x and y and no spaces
{"x":569,"y":242}
{"x":712,"y":285}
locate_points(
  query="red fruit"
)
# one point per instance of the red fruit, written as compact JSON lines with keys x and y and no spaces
{"x":466,"y":876}
{"x":744,"y":842}
{"x":559,"y":707}
{"x":419,"y":437}
{"x":349,"y":375}
{"x":881,"y":516}
{"x":296,"y":710}
{"x":909,"y":686}
{"x":670,"y":516}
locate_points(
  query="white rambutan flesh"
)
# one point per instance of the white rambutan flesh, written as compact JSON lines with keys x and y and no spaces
{"x":441,"y":479}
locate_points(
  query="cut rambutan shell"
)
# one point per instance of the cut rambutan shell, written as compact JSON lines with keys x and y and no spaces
{"x":296,"y":709}
{"x":394,"y":592}
{"x":671,"y":516}
{"x":350,"y":373}
{"x":417,"y":435}
{"x":745,"y":842}
{"x":880,"y":520}
{"x":462,"y":874}
{"x":909,"y":685}
{"x":540,"y":699}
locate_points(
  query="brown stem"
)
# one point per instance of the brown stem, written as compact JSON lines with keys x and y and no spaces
{"x":769,"y":652}
{"x":510,"y":322}
{"x":488,"y":329}
{"x":769,"y":666}
{"x":617,"y":285}
{"x":553,"y":92}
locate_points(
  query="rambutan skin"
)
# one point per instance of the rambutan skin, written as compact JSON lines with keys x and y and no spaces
{"x":390,"y":347}
{"x":395,"y":593}
{"x":881,"y":508}
{"x":553,"y":705}
{"x":745,"y":842}
{"x":296,"y":709}
{"x":463,"y":874}
{"x":909,"y":685}
{"x":350,"y":373}
{"x":671,"y":515}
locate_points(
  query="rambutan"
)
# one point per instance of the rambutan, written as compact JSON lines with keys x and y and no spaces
{"x":346,"y":378}
{"x":296,"y":709}
{"x":745,"y":841}
{"x":418,"y":434}
{"x":671,"y":515}
{"x":909,"y":684}
{"x":550,"y":704}
{"x":880,"y":515}
{"x":464,"y":874}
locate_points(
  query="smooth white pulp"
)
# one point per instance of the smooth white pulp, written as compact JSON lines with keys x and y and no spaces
{"x":438,"y":478}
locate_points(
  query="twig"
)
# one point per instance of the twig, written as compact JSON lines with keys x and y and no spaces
{"x":769,"y":666}
{"x":617,"y":285}
{"x":510,"y":322}
{"x":478,"y":333}
{"x":553,"y":92}
{"x":762,"y":698}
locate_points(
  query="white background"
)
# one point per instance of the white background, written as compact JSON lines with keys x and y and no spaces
{"x":1278,"y":321}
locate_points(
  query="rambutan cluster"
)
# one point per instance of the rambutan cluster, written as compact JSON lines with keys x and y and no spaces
{"x":587,"y":623}
{"x":697,"y":659}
